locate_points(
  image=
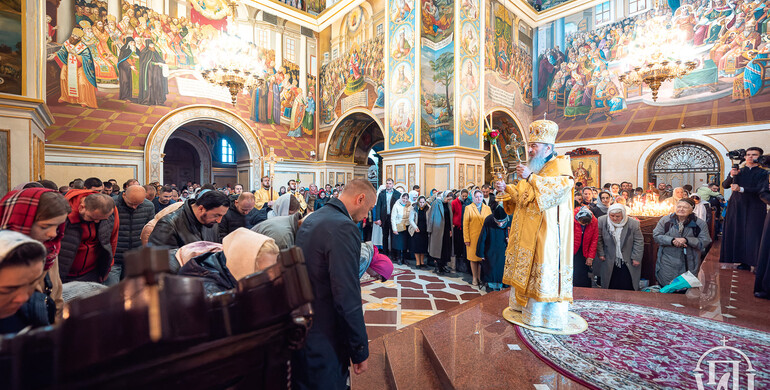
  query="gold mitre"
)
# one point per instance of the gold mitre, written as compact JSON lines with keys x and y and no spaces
{"x":543,"y":131}
{"x":77,"y":32}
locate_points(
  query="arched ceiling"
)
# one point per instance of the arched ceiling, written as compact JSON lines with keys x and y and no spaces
{"x":353,"y":137}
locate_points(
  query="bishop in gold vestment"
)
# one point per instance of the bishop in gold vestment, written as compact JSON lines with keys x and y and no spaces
{"x":538,"y":263}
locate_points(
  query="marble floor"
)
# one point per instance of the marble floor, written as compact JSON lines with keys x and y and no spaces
{"x":410,"y":296}
{"x":454,"y":328}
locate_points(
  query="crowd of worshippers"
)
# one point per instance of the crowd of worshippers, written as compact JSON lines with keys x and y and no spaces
{"x":61,"y":243}
{"x":608,"y":240}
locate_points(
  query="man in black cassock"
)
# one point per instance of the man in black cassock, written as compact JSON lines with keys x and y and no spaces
{"x":382,"y":209}
{"x":125,"y":66}
{"x":762,"y":281}
{"x":745,"y":212}
{"x":153,"y":86}
{"x":493,"y":242}
{"x":329,"y":238}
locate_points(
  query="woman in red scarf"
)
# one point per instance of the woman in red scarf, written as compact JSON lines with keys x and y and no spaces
{"x":39,"y":213}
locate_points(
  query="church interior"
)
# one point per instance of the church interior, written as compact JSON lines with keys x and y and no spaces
{"x":643,"y":104}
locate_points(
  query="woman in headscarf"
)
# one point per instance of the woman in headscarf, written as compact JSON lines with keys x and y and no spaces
{"x":681,"y":237}
{"x":493,"y":241}
{"x":21,"y":269}
{"x":473,"y":221}
{"x":377,"y":229}
{"x":440,"y":230}
{"x":242,"y":253}
{"x":620,"y":249}
{"x":281,"y":206}
{"x":418,"y":221}
{"x":320,"y":200}
{"x":399,"y":221}
{"x":39,"y":213}
{"x":603,"y":203}
{"x":586,"y":239}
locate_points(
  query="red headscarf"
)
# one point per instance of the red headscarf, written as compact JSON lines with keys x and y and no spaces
{"x":17,"y":212}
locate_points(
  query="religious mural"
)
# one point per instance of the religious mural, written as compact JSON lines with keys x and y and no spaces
{"x":10,"y":47}
{"x":401,"y":106}
{"x":355,"y":78}
{"x":579,"y":87}
{"x":125,"y":63}
{"x":437,"y":73}
{"x":544,"y":5}
{"x":315,"y":7}
{"x":508,"y":63}
{"x":470,"y":60}
{"x":355,"y":131}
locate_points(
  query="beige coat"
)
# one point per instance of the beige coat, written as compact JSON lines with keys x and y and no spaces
{"x":473,"y":221}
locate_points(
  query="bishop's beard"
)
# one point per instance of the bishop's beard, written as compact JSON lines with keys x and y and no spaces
{"x":537,"y":163}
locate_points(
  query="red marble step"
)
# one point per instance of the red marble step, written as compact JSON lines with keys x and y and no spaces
{"x":379,"y":372}
{"x":412,"y":363}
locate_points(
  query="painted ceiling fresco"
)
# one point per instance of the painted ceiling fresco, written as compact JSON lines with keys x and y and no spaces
{"x":579,"y":87}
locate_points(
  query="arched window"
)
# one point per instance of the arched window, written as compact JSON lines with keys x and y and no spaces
{"x":227,"y":154}
{"x":684,"y":163}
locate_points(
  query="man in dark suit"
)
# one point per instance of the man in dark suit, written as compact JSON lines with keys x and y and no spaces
{"x":331,"y":242}
{"x":385,"y":203}
{"x":489,"y":197}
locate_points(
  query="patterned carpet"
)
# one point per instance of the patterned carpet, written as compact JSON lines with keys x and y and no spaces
{"x":121,"y":124}
{"x":636,"y":347}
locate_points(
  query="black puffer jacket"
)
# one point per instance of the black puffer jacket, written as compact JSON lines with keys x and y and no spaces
{"x":181,"y":228}
{"x":131,"y":223}
{"x":212,"y":267}
{"x":232,"y":221}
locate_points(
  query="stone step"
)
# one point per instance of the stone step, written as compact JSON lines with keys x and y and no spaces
{"x":379,"y":375}
{"x":412,"y":363}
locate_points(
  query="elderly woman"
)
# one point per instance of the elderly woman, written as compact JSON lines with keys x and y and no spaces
{"x":473,"y":222}
{"x":620,"y":248}
{"x":586,"y":239}
{"x":440,"y":229}
{"x":681,"y":237}
{"x":399,"y":220}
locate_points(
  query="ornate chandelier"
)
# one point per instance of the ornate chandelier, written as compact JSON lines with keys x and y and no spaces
{"x":655,"y":73}
{"x":658,"y":54}
{"x":231,"y":62}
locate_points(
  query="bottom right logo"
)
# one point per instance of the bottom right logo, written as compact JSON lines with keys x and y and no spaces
{"x":723,"y":372}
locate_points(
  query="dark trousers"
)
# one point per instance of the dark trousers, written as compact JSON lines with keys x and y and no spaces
{"x":387,"y":230}
{"x":461,"y":264}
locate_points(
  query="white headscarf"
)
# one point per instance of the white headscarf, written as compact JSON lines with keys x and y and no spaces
{"x":281,"y":206}
{"x":10,"y":240}
{"x":616,"y":229}
{"x":413,"y":195}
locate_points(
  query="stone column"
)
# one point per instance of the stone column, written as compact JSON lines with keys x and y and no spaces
{"x":65,"y":19}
